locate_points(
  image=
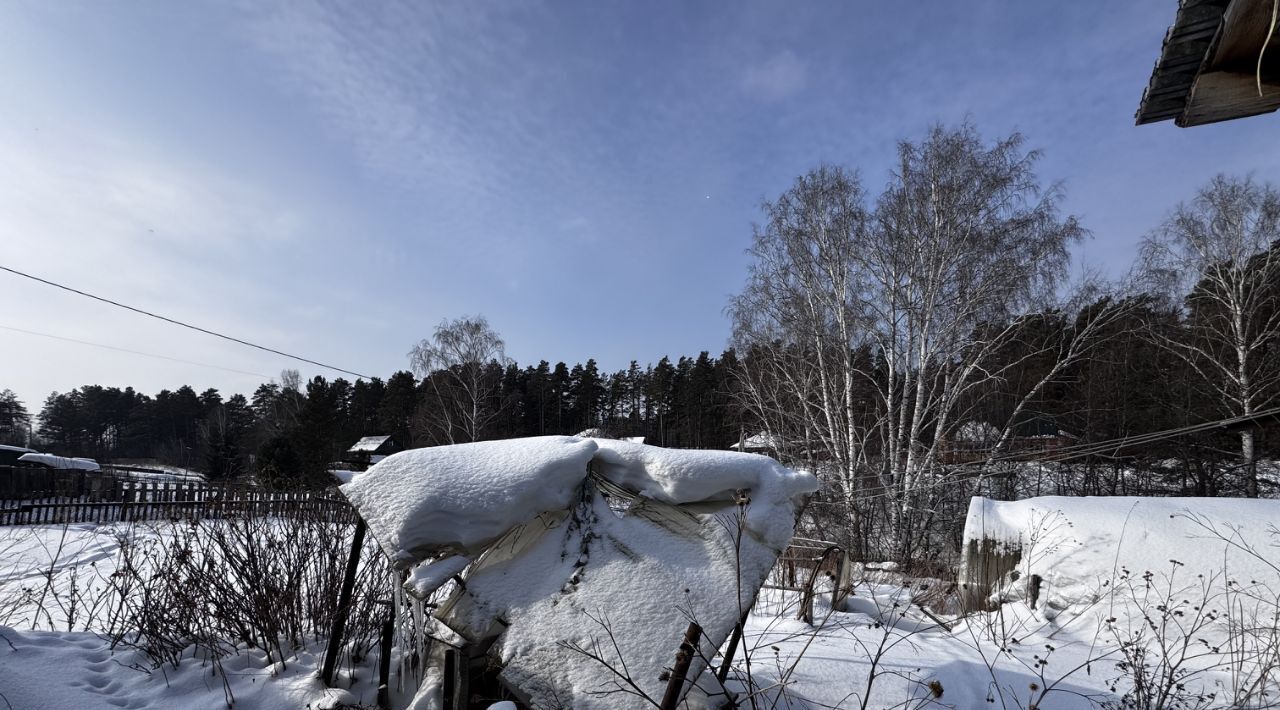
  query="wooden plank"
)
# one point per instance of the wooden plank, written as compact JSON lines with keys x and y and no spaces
{"x":684,"y":658}
{"x":1222,"y":96}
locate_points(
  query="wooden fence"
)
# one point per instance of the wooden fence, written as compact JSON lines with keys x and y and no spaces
{"x":32,"y":496}
{"x":803,"y":563}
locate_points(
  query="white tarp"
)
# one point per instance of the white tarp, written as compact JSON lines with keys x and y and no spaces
{"x":578,"y":539}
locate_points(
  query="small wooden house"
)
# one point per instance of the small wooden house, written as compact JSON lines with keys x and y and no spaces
{"x":370,"y":450}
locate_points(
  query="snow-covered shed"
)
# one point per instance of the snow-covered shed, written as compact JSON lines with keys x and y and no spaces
{"x":370,"y":450}
{"x":759,"y":443}
{"x":59,"y":462}
{"x":529,"y":553}
{"x":1059,"y":551}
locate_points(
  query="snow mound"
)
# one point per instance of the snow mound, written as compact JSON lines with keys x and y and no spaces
{"x":1080,"y":546}
{"x":683,"y":476}
{"x":422,"y":502}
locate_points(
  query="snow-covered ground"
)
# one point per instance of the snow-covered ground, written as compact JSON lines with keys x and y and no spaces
{"x":1174,"y":626}
{"x":45,"y":670}
{"x":878,"y":651}
{"x":55,"y":606}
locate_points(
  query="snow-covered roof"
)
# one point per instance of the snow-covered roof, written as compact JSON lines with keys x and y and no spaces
{"x":60,"y":462}
{"x":758,"y":442}
{"x":18,"y":449}
{"x":368,"y":444}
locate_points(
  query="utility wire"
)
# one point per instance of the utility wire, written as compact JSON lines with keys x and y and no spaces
{"x":134,"y":352}
{"x":1073,"y":452}
{"x":180,"y":323}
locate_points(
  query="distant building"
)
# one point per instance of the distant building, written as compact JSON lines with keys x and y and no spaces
{"x":370,"y":450}
{"x":760,"y":443}
{"x":1220,"y":61}
{"x":1033,"y":437}
{"x":61,"y":463}
{"x":9,"y":454}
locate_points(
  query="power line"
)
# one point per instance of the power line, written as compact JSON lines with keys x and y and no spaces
{"x":196,"y":328}
{"x":134,"y":352}
{"x":1071,"y":452}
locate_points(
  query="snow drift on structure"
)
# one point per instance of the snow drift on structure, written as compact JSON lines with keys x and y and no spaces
{"x":460,"y":498}
{"x":61,"y":462}
{"x":1079,"y":546}
{"x":597,"y":537}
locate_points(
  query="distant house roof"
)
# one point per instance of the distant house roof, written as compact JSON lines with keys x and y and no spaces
{"x":1208,"y":69}
{"x":60,"y":462}
{"x":371,"y":444}
{"x":1036,"y":426}
{"x":9,"y":454}
{"x":759,"y":442}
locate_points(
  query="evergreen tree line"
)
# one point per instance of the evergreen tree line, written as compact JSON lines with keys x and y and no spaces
{"x":290,"y":430}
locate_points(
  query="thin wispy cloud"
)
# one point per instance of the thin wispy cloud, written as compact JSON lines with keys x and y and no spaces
{"x":781,"y":76}
{"x":337,"y":178}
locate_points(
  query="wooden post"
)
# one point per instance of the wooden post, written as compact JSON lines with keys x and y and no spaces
{"x":344,"y":605}
{"x":806,"y":605}
{"x":684,"y":658}
{"x":450,"y":678}
{"x":984,"y":564}
{"x":842,"y":582}
{"x":384,"y":657}
{"x":727,"y":661}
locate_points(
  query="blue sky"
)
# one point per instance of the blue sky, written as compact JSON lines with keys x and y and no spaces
{"x":334,"y":179}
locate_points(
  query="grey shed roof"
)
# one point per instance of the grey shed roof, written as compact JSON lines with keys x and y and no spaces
{"x":369,"y":444}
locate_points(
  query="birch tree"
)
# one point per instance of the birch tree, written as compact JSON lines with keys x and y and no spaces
{"x":461,"y":366}
{"x":1221,"y":248}
{"x":801,"y":319}
{"x":873,"y":326}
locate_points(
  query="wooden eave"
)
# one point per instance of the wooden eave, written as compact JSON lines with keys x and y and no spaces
{"x":1207,"y":67}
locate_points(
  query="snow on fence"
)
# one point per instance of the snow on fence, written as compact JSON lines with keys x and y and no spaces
{"x":1059,"y":551}
{"x":36,"y":496}
{"x":28,"y":482}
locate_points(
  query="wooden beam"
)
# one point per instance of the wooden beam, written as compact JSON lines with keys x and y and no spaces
{"x":1222,"y":96}
{"x":1188,"y":42}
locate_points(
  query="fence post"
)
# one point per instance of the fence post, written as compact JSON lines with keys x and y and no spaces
{"x":684,"y":657}
{"x":384,"y":657}
{"x":841,"y":591}
{"x":344,"y":605}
